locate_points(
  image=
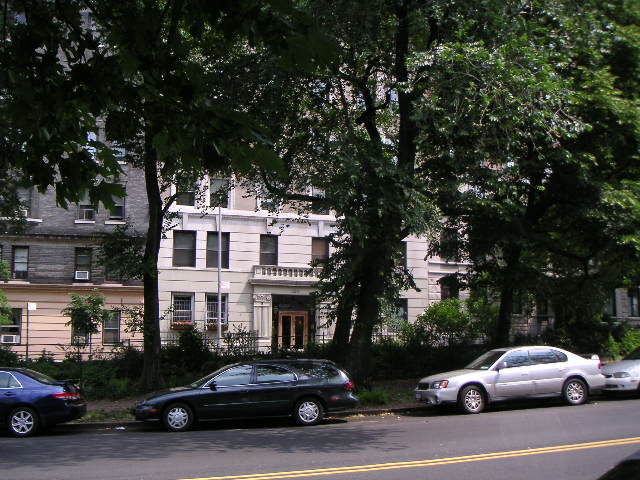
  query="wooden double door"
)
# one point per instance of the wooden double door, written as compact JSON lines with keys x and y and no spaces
{"x":293,"y":329}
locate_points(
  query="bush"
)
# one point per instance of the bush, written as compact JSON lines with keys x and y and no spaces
{"x":373,"y":397}
{"x":8,"y":358}
{"x":446,"y":323}
{"x":630,"y":341}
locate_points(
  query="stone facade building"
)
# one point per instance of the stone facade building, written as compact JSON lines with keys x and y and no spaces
{"x":266,"y":274}
{"x":57,"y":255}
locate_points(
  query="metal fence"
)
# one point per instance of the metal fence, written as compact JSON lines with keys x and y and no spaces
{"x":233,"y":344}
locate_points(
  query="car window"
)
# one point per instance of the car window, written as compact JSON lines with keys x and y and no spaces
{"x":324,"y":372}
{"x":543,"y":355}
{"x":271,"y":373}
{"x":484,"y":361}
{"x":240,"y":375}
{"x":561,"y":356}
{"x":517,"y":359}
{"x":40,"y":377}
{"x":8,"y":381}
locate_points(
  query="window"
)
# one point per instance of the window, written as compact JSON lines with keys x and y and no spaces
{"x":449,"y":287}
{"x":517,"y":305}
{"x":117,"y":211}
{"x":517,"y":359}
{"x":271,"y":374}
{"x":610,"y":307}
{"x":240,"y":375}
{"x":542,"y":356}
{"x":186,"y":198}
{"x":24,"y":196}
{"x":542,"y":306}
{"x":11,"y":333}
{"x":318,"y":206}
{"x":182,"y":309}
{"x":83,"y":264}
{"x":78,"y":337}
{"x":212,"y":308}
{"x":212,"y":250}
{"x":319,"y":249}
{"x":7,"y":380}
{"x":402,"y":308}
{"x":405,"y":254}
{"x":268,"y":250}
{"x":184,"y":249}
{"x":219,"y":192}
{"x":86,"y":210}
{"x":20,"y":263}
{"x":634,"y":310}
{"x":111,"y":327}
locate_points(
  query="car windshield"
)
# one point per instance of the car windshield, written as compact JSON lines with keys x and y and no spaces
{"x":204,"y":380}
{"x":40,"y":377}
{"x":484,"y":361}
{"x":635,"y":355}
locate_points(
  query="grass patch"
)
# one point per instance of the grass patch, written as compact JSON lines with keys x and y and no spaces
{"x":374,"y":397}
{"x":101,"y":415}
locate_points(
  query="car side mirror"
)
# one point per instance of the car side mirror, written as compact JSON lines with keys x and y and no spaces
{"x":212,"y":386}
{"x":501,"y":365}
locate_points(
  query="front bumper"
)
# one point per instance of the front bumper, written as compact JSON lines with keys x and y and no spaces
{"x":613,"y":384}
{"x":145,"y":412}
{"x":437,"y":396}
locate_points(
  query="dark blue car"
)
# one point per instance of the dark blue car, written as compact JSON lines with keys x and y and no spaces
{"x":304,"y":389}
{"x":31,"y":400}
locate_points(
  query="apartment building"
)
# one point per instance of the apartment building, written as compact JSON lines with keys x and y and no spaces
{"x":55,"y":256}
{"x":266,"y":278}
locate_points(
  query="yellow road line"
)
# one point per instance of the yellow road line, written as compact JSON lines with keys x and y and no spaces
{"x":426,"y":463}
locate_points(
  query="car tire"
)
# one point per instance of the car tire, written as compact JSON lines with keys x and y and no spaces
{"x":178,"y":417}
{"x":472,"y":399}
{"x":575,"y":392}
{"x":308,"y":411}
{"x":23,"y":422}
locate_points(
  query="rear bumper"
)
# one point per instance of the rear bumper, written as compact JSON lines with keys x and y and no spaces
{"x":66,"y":414}
{"x":341,"y":402}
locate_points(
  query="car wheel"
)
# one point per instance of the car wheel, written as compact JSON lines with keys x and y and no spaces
{"x":178,"y":417}
{"x":575,"y":392}
{"x":472,"y":399}
{"x":23,"y":422}
{"x":308,"y":411}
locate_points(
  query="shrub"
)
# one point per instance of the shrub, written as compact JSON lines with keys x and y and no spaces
{"x":446,"y":323}
{"x":373,"y":397}
{"x":8,"y":358}
{"x":630,"y":341}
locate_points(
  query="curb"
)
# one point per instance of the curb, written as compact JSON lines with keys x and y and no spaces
{"x":138,"y":425}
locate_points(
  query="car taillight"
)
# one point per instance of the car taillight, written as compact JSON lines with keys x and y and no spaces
{"x":350,"y":385}
{"x":67,"y":395}
{"x":600,"y":365}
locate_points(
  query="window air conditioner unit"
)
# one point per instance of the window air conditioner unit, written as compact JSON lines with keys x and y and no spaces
{"x":82,"y":275}
{"x":24,"y":212}
{"x":10,"y":339}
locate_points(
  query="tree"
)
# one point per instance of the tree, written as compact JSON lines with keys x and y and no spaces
{"x":86,"y":314}
{"x":537,"y":140}
{"x":147,"y":71}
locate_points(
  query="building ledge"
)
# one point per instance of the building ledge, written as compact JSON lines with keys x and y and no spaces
{"x":277,"y":275}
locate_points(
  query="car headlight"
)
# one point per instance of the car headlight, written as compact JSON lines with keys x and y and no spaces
{"x":622,"y":375}
{"x":440,"y":384}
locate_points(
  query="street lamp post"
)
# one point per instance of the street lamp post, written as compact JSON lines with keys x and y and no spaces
{"x":219,"y":336}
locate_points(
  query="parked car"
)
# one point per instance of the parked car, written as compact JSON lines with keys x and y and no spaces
{"x":510,"y":373}
{"x":31,"y":400}
{"x":305,"y":389}
{"x":623,"y":376}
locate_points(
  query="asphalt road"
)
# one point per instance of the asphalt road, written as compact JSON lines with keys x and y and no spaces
{"x":528,"y":441}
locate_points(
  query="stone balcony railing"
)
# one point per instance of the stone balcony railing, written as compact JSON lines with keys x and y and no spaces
{"x":274,"y":274}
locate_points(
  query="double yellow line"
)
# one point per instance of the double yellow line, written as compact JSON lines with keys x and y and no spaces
{"x":426,"y":463}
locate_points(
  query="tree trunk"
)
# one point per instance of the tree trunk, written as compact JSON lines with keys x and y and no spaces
{"x":503,"y":330}
{"x":340,"y":343}
{"x":151,"y":323}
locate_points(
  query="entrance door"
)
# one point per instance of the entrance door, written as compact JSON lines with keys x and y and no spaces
{"x":293,"y":329}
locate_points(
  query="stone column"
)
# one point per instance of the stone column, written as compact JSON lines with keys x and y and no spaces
{"x":262,"y":314}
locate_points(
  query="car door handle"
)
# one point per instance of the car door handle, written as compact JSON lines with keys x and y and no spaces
{"x":9,"y":394}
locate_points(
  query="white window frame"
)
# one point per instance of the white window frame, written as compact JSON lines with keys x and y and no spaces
{"x":191,"y":310}
{"x":212,"y":307}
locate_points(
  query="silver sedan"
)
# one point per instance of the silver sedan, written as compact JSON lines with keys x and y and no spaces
{"x":510,"y":373}
{"x":623,"y":376}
